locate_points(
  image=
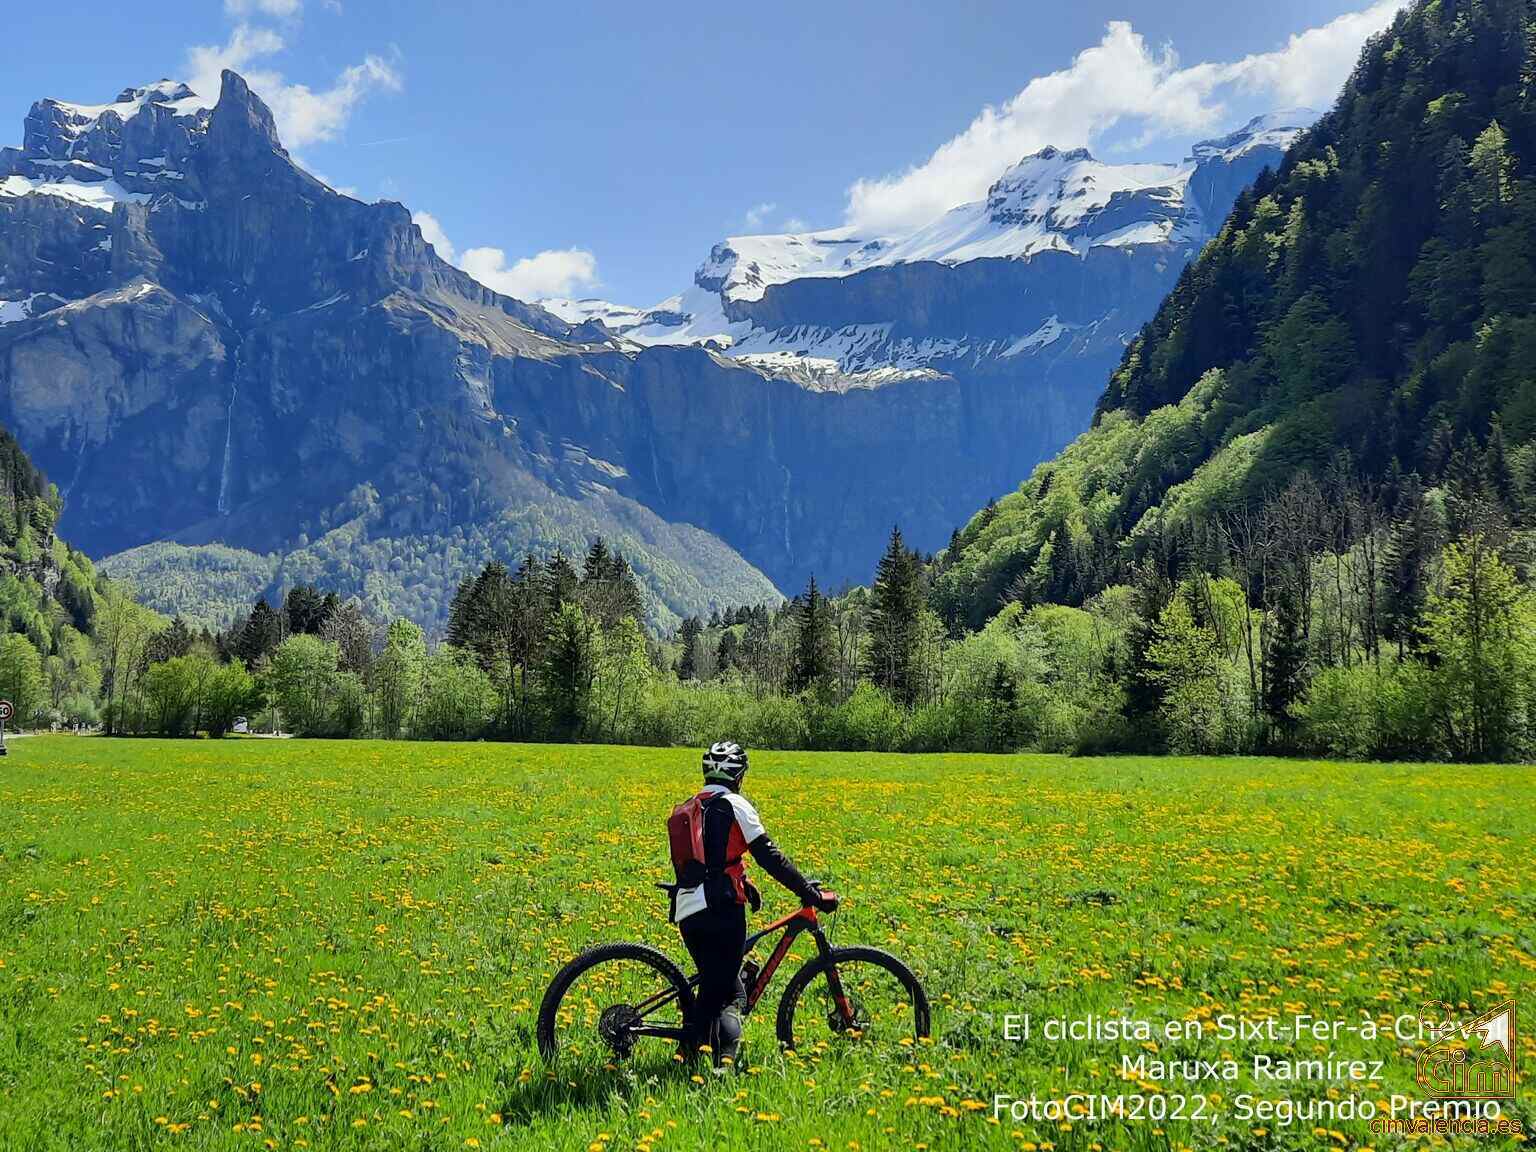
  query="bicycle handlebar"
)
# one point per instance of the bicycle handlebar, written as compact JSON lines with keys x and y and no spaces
{"x":825,"y":894}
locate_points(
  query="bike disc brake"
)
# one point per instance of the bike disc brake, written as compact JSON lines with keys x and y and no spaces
{"x":856,"y":1010}
{"x":616,"y":1026}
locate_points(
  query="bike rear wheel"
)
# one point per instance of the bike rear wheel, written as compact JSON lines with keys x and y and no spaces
{"x":883,"y":997}
{"x":608,"y":999}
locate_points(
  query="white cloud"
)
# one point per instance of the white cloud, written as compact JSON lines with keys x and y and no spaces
{"x":1118,"y":80}
{"x":303,"y":115}
{"x":758,"y":213}
{"x":1314,"y":64}
{"x":553,"y":272}
{"x":206,"y":61}
{"x":432,"y":232}
{"x":281,"y":9}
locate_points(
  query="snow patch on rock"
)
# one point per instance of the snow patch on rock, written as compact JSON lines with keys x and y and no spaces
{"x":99,"y":194}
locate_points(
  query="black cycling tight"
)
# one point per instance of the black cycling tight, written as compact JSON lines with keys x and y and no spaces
{"x":716,"y":938}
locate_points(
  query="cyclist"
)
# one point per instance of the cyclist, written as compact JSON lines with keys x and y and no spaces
{"x":709,"y":835}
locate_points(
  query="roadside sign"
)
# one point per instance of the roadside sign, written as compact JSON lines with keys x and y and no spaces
{"x":7,"y":710}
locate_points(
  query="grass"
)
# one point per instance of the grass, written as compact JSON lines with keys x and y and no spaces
{"x":260,"y":944}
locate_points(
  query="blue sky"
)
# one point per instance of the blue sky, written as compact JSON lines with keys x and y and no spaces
{"x":601,"y":149}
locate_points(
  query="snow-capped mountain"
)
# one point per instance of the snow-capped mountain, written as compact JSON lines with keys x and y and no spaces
{"x":201,"y":342}
{"x":1054,"y":201}
{"x":87,"y":159}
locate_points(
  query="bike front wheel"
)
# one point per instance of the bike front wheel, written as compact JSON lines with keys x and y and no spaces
{"x":855,"y":994}
{"x":608,"y":999}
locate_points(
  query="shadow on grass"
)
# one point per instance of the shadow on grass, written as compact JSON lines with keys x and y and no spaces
{"x":570,"y":1086}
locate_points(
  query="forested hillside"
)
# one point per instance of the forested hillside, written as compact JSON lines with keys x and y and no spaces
{"x":1302,"y":517}
{"x":1368,"y":306}
{"x":50,"y":599}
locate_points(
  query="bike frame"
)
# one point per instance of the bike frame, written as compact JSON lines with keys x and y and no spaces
{"x":792,"y":926}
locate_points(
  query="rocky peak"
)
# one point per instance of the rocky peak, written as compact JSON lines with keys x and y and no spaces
{"x":159,"y":186}
{"x":1222,"y":167}
{"x":1273,"y":130}
{"x":1062,"y":189}
{"x":711,"y":275}
{"x":1051,"y":152}
{"x":105,"y":134}
{"x":242,"y":126}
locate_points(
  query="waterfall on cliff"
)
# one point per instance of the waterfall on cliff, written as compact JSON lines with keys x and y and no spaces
{"x":229,"y":448}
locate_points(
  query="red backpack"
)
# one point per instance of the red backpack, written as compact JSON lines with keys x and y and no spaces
{"x":685,"y":838}
{"x":685,"y":835}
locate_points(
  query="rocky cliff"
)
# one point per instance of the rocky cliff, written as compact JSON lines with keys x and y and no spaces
{"x":204,"y":343}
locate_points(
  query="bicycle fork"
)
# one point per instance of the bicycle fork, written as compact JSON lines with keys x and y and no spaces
{"x":797,"y":925}
{"x":834,"y":978}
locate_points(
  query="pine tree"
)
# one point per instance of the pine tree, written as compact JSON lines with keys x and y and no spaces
{"x":953,"y":550}
{"x":688,"y":635}
{"x":472,"y":615}
{"x":730,"y":651}
{"x":1498,"y":476}
{"x":458,"y":631}
{"x":570,"y":665}
{"x":1151,"y":590}
{"x":608,"y":590}
{"x":815,"y":646}
{"x":1002,"y":709}
{"x":595,"y":567}
{"x":629,"y":598}
{"x":894,"y":604}
{"x":170,"y":642}
{"x":305,"y":610}
{"x":530,"y":634}
{"x":260,"y":634}
{"x":1285,"y":667}
{"x":1062,"y":585}
{"x":560,"y":582}
{"x":1409,"y":546}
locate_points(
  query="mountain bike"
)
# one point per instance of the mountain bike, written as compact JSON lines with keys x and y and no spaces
{"x":612,"y":996}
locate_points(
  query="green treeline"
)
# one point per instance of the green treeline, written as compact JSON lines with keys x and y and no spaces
{"x":549,"y":651}
{"x":1341,"y":618}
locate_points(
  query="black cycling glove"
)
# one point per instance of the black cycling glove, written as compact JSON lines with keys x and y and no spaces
{"x":782,"y":869}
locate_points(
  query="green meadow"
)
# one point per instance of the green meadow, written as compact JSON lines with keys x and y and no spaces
{"x":251,"y":944}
